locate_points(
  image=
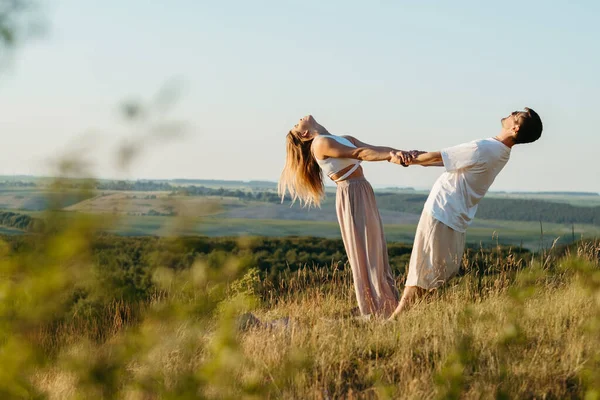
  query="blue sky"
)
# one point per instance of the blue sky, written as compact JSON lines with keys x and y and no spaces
{"x":411,"y":75}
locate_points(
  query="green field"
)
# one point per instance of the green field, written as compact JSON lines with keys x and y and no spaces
{"x":161,"y":213}
{"x":10,"y":231}
{"x":526,"y":234}
{"x":486,"y":232}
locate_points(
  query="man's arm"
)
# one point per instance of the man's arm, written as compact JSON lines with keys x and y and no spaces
{"x":426,"y":159}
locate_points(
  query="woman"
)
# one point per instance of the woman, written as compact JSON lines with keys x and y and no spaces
{"x":312,"y":150}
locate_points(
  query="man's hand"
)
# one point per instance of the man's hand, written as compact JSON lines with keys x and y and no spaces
{"x":405,"y":158}
{"x":401,"y":157}
{"x":416,"y":153}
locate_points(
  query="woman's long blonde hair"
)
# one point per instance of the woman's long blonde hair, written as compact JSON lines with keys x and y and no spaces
{"x":301,"y":176}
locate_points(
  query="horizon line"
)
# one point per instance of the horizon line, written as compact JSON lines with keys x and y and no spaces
{"x":380,"y":186}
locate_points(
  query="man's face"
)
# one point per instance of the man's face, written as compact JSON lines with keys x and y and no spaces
{"x":511,"y":121}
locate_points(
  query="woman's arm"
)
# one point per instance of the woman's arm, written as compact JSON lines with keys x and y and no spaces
{"x":360,"y":144}
{"x":324,"y":148}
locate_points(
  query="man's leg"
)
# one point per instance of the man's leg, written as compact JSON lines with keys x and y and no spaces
{"x":409,"y":297}
{"x":411,"y":289}
{"x":433,"y":262}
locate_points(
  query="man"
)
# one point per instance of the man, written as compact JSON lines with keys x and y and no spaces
{"x":450,"y":208}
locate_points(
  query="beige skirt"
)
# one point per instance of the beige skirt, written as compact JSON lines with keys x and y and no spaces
{"x":436,"y":255}
{"x":366,"y":247}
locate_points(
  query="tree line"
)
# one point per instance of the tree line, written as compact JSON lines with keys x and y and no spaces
{"x":502,"y":209}
{"x":126,"y":264}
{"x":23,"y":222}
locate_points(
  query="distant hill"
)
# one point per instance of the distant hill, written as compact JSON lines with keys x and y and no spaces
{"x":510,"y":209}
{"x":511,"y":206}
{"x":259,"y":184}
{"x":592,"y":194}
{"x":224,"y":183}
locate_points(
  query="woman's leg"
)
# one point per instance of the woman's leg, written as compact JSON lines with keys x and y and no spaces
{"x":364,"y":240}
{"x":353,"y":239}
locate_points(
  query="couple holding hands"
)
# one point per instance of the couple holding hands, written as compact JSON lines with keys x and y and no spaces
{"x":469,"y":171}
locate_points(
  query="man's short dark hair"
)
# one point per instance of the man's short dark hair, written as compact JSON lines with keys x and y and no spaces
{"x":530,"y":126}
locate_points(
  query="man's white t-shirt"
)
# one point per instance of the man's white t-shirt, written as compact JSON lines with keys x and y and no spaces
{"x":470,"y":171}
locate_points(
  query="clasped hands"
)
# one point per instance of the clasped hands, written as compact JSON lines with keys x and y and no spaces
{"x":404,"y":158}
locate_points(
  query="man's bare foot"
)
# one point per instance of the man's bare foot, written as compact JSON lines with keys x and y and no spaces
{"x":409,"y":296}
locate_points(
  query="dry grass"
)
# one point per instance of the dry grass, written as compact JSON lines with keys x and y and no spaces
{"x":507,"y":328}
{"x":349,"y":358}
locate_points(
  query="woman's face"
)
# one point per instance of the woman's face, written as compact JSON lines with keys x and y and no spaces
{"x":306,"y":127}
